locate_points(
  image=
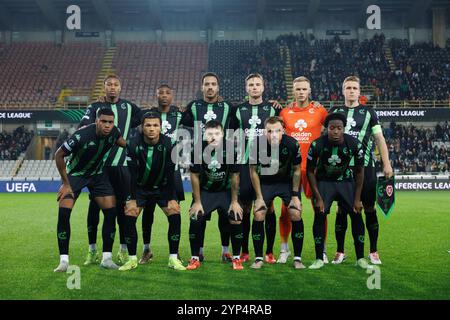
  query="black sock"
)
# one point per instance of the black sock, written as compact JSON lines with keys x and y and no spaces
{"x":271,"y":230}
{"x":121,"y":221}
{"x":131,"y":236}
{"x":202,"y":232}
{"x":173,"y":234}
{"x":63,"y":230}
{"x":245,"y":231}
{"x":224,"y":228}
{"x":297,"y":236}
{"x":109,"y":228}
{"x":93,"y":219}
{"x":319,"y":233}
{"x":372,"y":228}
{"x":258,"y":237}
{"x":148,"y":216}
{"x":340,"y":229}
{"x":195,"y":231}
{"x":236,"y":238}
{"x":358,"y":234}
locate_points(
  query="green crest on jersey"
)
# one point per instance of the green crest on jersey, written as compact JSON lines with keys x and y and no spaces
{"x":160,"y":147}
{"x":266,"y":108}
{"x":284,"y":151}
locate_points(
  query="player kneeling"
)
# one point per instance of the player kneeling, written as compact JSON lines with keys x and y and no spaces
{"x":152,"y":180}
{"x":331,"y":179}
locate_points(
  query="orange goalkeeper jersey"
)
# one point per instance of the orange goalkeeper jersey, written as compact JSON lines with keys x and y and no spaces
{"x":305,"y":125}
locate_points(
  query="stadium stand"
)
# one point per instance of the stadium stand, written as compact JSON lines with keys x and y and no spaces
{"x":142,"y":66}
{"x":34,"y":73}
{"x":413,"y":149}
{"x":424,"y":70}
{"x":233,"y":60}
{"x":38,"y":170}
{"x":13,"y":144}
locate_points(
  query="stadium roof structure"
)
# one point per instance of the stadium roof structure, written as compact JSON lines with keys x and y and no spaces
{"x":158,"y":14}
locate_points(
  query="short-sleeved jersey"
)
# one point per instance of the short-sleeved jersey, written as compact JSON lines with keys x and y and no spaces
{"x":215,"y":176}
{"x":332,"y":162}
{"x":362,"y":123}
{"x":151,"y":166}
{"x":288,"y":157}
{"x":250,"y":119}
{"x":304,"y":125}
{"x":127,"y":115}
{"x":170,"y":122}
{"x":200,"y":110}
{"x":88,"y":151}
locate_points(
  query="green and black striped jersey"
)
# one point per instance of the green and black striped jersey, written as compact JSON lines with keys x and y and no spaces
{"x":250,"y":120}
{"x":170,"y":122}
{"x":288,"y":157}
{"x":127,"y":115}
{"x":362,"y":123}
{"x":202,"y":111}
{"x":332,"y":162}
{"x":151,"y":166}
{"x":88,"y":152}
{"x":215,"y":175}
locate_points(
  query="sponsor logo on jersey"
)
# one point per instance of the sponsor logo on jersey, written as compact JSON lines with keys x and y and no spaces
{"x":214,"y":165}
{"x":334,"y":160}
{"x":302,"y":137}
{"x":254,"y":120}
{"x":166,"y":126}
{"x":301,"y":125}
{"x":210,"y":115}
{"x":254,"y":132}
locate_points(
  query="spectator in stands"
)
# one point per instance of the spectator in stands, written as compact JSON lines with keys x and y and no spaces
{"x":12,"y":145}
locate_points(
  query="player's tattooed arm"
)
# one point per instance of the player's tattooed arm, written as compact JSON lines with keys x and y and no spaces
{"x":234,"y":206}
{"x":61,"y":165}
{"x":381,"y":143}
{"x":196,"y":207}
{"x":259,"y":202}
{"x":359,"y":179}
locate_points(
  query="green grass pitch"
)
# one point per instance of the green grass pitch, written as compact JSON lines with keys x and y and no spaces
{"x":413,"y":246}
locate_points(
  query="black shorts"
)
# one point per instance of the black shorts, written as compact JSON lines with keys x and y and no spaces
{"x":211,"y":201}
{"x":368,"y":194}
{"x":341,"y":191}
{"x":271,"y":191}
{"x":97,"y":185}
{"x":146,"y":198}
{"x":120,"y":180}
{"x":246,"y":191}
{"x":178,"y":182}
